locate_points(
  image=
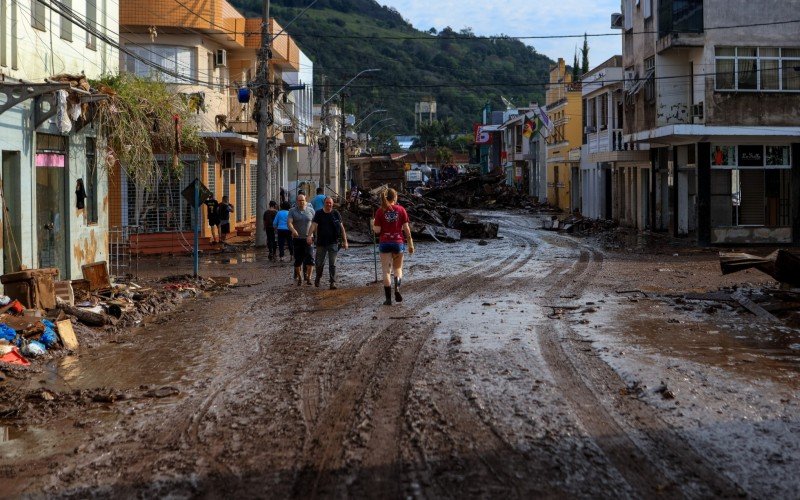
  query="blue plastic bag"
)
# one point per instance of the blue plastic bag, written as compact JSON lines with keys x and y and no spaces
{"x":48,"y":337}
{"x":49,"y":324}
{"x":7,"y":333}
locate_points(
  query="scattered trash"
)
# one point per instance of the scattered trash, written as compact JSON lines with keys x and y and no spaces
{"x":32,"y":348}
{"x":67,"y":334}
{"x":14,"y":357}
{"x":780,"y":264}
{"x":162,"y":392}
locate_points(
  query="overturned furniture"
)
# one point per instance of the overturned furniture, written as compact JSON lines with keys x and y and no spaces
{"x":780,"y":264}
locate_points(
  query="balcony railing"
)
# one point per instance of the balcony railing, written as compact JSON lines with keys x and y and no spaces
{"x":604,"y":141}
{"x":680,"y":16}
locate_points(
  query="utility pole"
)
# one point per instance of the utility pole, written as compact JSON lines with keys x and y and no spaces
{"x":327,"y":178}
{"x":323,"y":123}
{"x":343,"y":150}
{"x":265,"y":118}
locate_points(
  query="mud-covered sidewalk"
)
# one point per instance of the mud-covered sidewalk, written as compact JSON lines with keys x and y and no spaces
{"x":537,"y":365}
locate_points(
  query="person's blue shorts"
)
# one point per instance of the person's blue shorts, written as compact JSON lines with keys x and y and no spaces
{"x":392,"y":247}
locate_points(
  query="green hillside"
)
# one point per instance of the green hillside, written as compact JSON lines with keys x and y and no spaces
{"x":460,"y":71}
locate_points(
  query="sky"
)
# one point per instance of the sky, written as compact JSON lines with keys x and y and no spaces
{"x":523,"y":18}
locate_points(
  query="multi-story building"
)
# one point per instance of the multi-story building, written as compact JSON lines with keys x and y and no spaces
{"x":524,"y":159}
{"x":211,"y":52}
{"x":715,"y":92}
{"x":563,"y":145}
{"x":613,"y":175}
{"x":47,"y":146}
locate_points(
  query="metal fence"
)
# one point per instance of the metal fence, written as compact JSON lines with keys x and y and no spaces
{"x":121,"y":260}
{"x":160,"y":207}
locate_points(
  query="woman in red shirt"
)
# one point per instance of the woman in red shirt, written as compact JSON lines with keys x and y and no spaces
{"x":391,"y":224}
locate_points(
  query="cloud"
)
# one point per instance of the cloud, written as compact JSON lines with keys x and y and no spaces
{"x":523,"y":18}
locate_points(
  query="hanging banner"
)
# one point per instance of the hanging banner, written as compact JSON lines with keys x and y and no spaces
{"x":50,"y":160}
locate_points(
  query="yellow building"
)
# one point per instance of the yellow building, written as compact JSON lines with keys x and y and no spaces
{"x":564,"y":108}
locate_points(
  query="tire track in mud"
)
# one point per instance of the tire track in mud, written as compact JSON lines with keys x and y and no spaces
{"x":583,"y":376}
{"x":385,"y":365}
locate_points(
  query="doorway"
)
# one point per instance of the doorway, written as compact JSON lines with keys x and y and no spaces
{"x":12,"y":217}
{"x":50,"y":218}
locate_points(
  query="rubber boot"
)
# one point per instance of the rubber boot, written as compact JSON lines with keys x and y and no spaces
{"x":297,"y":276}
{"x":397,"y":282}
{"x":388,"y":291}
{"x":308,"y":274}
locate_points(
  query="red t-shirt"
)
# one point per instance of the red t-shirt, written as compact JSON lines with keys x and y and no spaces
{"x":391,"y":223}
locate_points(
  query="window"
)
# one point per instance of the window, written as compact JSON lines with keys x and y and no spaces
{"x":66,"y":24}
{"x":91,"y":181}
{"x":650,"y":84}
{"x":179,"y":63}
{"x":750,"y":185}
{"x":647,"y":6}
{"x":91,"y":24}
{"x":757,"y":69}
{"x":38,"y":15}
{"x":603,"y":109}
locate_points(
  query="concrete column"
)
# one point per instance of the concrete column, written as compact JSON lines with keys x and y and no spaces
{"x":704,"y":193}
{"x":796,"y":193}
{"x":675,"y":193}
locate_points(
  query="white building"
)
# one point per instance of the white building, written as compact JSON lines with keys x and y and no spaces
{"x":715,"y":92}
{"x":44,"y":157}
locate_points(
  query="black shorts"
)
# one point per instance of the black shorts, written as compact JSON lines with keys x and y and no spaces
{"x":213,"y":222}
{"x":225,"y":227}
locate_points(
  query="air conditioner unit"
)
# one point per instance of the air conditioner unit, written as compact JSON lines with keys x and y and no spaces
{"x":617,"y":21}
{"x":589,"y":129}
{"x":629,"y":80}
{"x":221,"y":58}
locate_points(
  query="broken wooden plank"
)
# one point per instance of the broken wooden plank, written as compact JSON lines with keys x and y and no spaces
{"x":67,"y":334}
{"x":754,"y":308}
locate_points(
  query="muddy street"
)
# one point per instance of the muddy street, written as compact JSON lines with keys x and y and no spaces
{"x":537,"y":365}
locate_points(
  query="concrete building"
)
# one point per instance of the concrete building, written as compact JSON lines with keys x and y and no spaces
{"x":45,"y":152}
{"x":212,"y":55}
{"x":563,"y":145}
{"x":713,"y":91}
{"x":612,"y":175}
{"x":524,"y":158}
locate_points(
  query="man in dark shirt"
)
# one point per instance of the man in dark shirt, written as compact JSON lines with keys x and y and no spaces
{"x":269,"y":218}
{"x":224,"y":210}
{"x":213,"y":218}
{"x":328,"y":227}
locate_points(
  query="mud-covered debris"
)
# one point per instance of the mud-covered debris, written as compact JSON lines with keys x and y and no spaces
{"x":665,"y":391}
{"x":46,"y":395}
{"x":780,"y":264}
{"x":162,"y":392}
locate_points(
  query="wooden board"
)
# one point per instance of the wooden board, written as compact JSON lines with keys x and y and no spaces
{"x":67,"y":334}
{"x":97,"y":275}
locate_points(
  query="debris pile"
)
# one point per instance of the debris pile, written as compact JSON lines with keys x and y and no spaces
{"x":481,"y":191}
{"x":578,"y":224}
{"x":771,"y":305}
{"x":780,"y":264}
{"x":39,"y":317}
{"x":430,"y":219}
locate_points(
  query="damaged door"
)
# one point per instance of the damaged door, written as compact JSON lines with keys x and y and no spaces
{"x":12,"y":215}
{"x":51,"y":202}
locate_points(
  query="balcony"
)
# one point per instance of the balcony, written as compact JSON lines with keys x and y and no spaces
{"x":240,"y":116}
{"x":607,"y":146}
{"x":680,"y":24}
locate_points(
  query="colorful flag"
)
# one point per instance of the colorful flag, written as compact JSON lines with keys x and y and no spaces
{"x":528,"y":129}
{"x":547,"y":125}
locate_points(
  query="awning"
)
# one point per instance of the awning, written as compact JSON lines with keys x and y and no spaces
{"x":641,"y":82}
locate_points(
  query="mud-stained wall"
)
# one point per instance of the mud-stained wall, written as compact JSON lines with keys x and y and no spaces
{"x":747,"y":236}
{"x":88,"y":241}
{"x":752,"y":108}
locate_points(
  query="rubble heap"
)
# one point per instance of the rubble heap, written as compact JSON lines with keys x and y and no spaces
{"x":430,"y":219}
{"x":481,"y":191}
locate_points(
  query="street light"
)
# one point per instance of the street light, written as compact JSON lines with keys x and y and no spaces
{"x":371,"y":70}
{"x":370,"y":114}
{"x":377,"y":123}
{"x":342,"y":167}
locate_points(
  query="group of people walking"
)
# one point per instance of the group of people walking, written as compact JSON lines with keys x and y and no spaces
{"x":304,"y":227}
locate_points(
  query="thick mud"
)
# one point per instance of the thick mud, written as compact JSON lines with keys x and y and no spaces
{"x":536,"y":365}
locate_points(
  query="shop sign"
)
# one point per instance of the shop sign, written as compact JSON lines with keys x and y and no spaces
{"x":751,"y":156}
